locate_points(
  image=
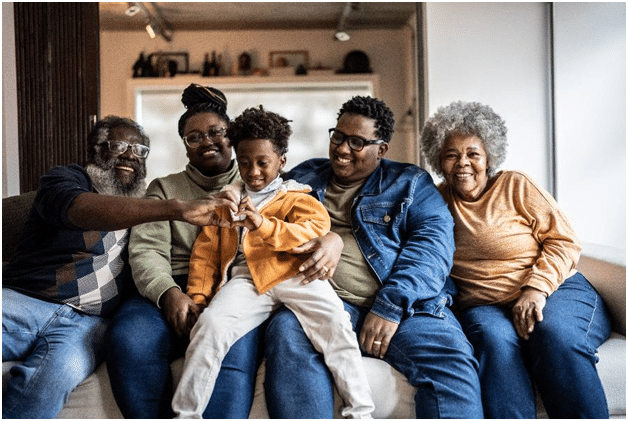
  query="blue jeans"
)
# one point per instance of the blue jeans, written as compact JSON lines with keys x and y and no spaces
{"x":559,"y":357}
{"x":140,"y":347}
{"x":57,"y":347}
{"x":432,"y":352}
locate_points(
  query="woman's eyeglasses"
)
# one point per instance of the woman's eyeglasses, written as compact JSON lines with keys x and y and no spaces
{"x":119,"y":147}
{"x":194,"y":139}
{"x":356,"y":143}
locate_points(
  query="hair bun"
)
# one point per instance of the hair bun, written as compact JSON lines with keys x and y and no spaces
{"x":198,"y":94}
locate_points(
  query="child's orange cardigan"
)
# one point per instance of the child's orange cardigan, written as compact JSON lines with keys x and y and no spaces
{"x":291,"y":218}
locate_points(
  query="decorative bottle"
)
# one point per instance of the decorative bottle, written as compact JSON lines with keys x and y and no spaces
{"x":206,"y":66}
{"x":213,"y":65}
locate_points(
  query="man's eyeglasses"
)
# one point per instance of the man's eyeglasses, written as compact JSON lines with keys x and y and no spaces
{"x":194,"y":139}
{"x":356,"y":143}
{"x":119,"y":147}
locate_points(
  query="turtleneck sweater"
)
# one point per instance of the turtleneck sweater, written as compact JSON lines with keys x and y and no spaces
{"x":160,"y":250}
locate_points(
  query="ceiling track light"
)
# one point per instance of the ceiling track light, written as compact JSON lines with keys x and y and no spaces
{"x":156,"y":24}
{"x":132,"y":10}
{"x":150,"y":30}
{"x":341,"y":34}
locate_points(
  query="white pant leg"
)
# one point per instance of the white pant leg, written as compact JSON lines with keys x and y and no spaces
{"x":234,"y":311}
{"x":328,"y":326}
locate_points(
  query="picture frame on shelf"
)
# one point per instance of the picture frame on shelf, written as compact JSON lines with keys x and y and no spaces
{"x":284,"y":63}
{"x":169,"y":64}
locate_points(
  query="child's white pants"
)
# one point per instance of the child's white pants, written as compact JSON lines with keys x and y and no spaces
{"x":238,"y":308}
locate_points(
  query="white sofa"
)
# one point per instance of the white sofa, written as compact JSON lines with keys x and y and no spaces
{"x":394,"y":397}
{"x":392,"y":394}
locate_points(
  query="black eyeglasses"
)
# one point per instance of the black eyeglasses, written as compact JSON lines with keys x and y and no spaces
{"x":356,"y":143}
{"x":194,"y":139}
{"x":119,"y":147}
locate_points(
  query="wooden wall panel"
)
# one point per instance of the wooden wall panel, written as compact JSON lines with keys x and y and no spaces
{"x":57,"y":58}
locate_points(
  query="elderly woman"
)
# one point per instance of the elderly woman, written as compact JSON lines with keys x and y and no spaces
{"x":528,"y":313}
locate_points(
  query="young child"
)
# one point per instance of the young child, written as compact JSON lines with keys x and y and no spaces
{"x":243,"y":274}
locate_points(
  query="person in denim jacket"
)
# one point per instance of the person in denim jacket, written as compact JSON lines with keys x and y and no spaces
{"x":392,"y":275}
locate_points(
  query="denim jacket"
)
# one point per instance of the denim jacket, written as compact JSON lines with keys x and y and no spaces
{"x":405,"y":232}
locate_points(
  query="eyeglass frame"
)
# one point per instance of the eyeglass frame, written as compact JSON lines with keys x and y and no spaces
{"x":347,"y":138}
{"x":127,"y":145}
{"x":220,"y":133}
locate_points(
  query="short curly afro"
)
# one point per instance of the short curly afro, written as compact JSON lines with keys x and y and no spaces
{"x":467,"y":119}
{"x":257,"y":123}
{"x":375,"y":109}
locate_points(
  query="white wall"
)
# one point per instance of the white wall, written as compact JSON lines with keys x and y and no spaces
{"x":390,"y":53}
{"x":494,"y":53}
{"x":10,"y":161}
{"x":591,"y":121}
{"x":497,"y":53}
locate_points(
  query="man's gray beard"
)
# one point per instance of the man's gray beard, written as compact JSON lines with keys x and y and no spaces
{"x":105,"y":182}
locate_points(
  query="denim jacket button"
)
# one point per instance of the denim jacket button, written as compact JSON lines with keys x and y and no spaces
{"x":386,"y":218}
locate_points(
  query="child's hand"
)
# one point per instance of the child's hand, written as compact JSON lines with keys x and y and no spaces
{"x":252,"y":218}
{"x":193,"y":314}
{"x":177,"y":307}
{"x":230,"y":194}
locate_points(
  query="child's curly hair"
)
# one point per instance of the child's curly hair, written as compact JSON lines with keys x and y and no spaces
{"x":257,"y":123}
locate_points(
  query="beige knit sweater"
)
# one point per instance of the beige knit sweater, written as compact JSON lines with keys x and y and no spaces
{"x":513,"y":236}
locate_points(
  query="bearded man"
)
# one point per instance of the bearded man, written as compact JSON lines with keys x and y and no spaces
{"x":70,"y":267}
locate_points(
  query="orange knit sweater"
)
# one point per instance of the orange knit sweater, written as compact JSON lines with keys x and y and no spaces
{"x":513,"y":236}
{"x":291,"y":218}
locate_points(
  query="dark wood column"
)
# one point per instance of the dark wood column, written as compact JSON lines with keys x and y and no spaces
{"x":57,"y":59}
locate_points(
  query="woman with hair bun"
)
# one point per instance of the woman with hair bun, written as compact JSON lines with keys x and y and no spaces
{"x":151,"y":329}
{"x":529,"y":314}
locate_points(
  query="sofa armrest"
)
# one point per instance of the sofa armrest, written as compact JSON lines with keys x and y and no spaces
{"x":610,"y":281}
{"x":15,"y":210}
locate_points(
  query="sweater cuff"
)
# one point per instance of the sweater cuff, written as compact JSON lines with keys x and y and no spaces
{"x":265,"y":230}
{"x":158,"y":287}
{"x":542,"y":285}
{"x":199,"y":299}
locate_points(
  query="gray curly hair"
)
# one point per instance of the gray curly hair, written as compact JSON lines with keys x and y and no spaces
{"x":465,"y":118}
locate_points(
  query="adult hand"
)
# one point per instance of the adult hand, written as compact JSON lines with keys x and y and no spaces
{"x":326,"y":251}
{"x":179,"y":310}
{"x":376,"y":335}
{"x":527,"y":311}
{"x":203,"y":211}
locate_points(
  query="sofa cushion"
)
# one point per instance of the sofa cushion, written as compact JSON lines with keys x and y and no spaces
{"x":612,"y":370}
{"x":397,"y":402}
{"x":610,"y":282}
{"x":93,"y":398}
